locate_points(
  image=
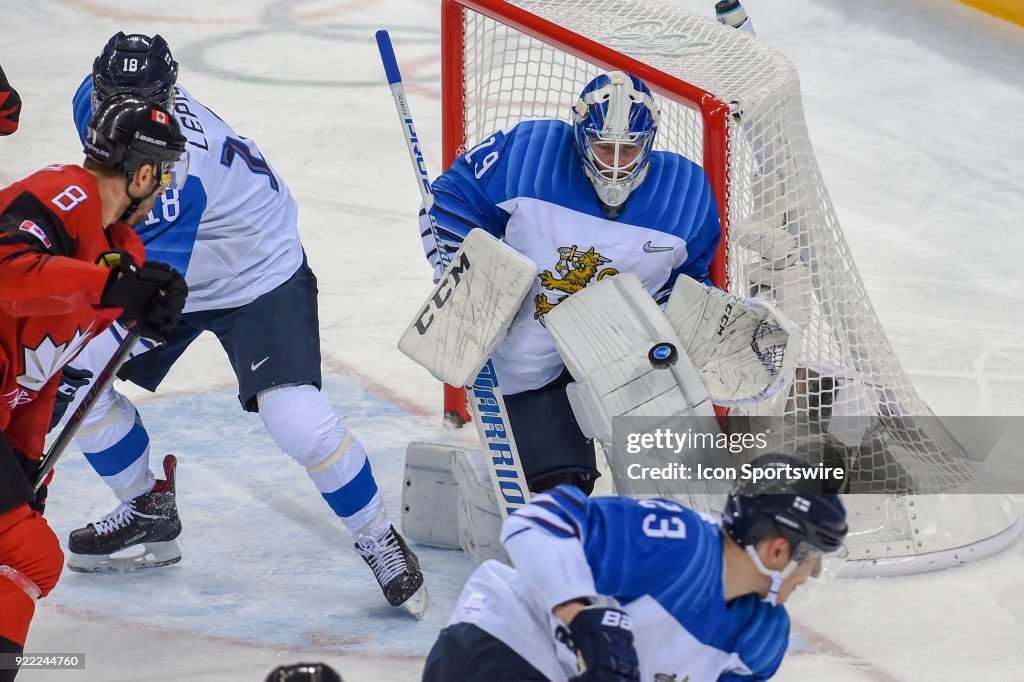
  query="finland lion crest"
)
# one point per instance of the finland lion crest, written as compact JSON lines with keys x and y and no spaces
{"x":576,"y":269}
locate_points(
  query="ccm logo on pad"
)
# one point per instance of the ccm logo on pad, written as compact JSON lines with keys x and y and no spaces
{"x":444,"y":292}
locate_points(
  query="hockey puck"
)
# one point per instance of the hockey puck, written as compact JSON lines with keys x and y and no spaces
{"x":662,"y":355}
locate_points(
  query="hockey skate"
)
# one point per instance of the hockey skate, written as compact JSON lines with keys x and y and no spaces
{"x":138,"y":534}
{"x":396,"y":568}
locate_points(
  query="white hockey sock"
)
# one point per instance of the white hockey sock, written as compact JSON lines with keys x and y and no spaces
{"x":116,"y":444}
{"x":306,"y":427}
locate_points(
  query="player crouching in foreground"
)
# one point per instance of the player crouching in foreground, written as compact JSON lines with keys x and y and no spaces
{"x":618,"y":589}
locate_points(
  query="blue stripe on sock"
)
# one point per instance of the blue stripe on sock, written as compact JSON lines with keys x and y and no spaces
{"x":352,"y":497}
{"x":121,"y":454}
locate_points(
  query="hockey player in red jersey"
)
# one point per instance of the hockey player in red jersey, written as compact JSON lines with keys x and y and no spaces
{"x":10,"y":106}
{"x":56,"y":227}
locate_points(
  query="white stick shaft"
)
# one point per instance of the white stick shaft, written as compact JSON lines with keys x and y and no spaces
{"x":486,"y":400}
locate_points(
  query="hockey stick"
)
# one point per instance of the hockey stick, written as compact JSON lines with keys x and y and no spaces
{"x":105,"y":378}
{"x":487,"y":403}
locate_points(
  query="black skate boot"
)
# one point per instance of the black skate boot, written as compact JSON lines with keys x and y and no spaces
{"x":150,"y":522}
{"x":396,"y":568}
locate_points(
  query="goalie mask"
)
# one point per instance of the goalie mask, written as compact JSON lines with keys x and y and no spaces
{"x":813,"y":522}
{"x":614,"y":122}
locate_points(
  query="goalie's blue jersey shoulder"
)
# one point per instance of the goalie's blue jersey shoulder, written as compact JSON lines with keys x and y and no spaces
{"x":537,"y":159}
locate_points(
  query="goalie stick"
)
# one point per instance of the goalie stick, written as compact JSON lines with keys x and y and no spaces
{"x":105,"y":378}
{"x":486,"y":399}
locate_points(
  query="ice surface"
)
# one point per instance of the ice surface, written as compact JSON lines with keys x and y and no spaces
{"x":913,"y":108}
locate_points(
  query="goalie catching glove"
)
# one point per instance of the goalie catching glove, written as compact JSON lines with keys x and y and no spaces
{"x":744,"y":349}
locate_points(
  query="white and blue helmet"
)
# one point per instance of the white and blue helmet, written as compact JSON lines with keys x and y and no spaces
{"x":617,"y":111}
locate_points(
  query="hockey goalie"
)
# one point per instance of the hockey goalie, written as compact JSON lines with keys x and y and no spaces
{"x":635,"y":368}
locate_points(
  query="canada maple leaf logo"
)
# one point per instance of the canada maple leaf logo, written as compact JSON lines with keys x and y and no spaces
{"x":46,"y":359}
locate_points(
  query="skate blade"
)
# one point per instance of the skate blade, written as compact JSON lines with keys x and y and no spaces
{"x":152,"y":555}
{"x":417,"y":603}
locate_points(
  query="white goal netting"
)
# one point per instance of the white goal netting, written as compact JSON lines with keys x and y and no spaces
{"x":732,"y":103}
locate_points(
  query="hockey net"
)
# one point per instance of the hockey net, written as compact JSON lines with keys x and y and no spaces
{"x":732,"y":103}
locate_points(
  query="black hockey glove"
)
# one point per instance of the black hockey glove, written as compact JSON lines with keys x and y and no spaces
{"x":602,"y":639}
{"x":152,"y":294}
{"x":71,"y":380}
{"x":31,"y":468}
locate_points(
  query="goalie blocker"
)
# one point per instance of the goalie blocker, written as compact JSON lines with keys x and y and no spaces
{"x":470,"y":310}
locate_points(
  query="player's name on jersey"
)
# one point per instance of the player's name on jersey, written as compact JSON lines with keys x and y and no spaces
{"x":677,"y":471}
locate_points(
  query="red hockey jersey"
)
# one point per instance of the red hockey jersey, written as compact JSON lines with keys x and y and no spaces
{"x":51,"y":234}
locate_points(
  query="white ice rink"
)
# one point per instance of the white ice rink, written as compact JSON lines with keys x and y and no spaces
{"x":914,"y":108}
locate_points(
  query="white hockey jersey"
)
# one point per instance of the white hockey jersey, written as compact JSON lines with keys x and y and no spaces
{"x":526,"y":185}
{"x":660,"y":561}
{"x":232,"y":228}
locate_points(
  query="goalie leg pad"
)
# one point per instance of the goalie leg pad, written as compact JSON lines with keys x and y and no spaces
{"x":604,"y":334}
{"x":448,"y":501}
{"x":430,"y":496}
{"x":470,"y":310}
{"x":480,"y":518}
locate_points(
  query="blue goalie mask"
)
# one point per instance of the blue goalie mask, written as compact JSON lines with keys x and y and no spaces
{"x":615,"y":121}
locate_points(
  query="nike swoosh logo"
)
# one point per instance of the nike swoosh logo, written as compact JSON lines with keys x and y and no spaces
{"x":256,"y":365}
{"x":654,"y":249}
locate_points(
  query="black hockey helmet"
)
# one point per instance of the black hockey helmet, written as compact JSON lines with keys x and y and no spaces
{"x":782,"y":504}
{"x":137,"y":64}
{"x":128,"y":130}
{"x":304,"y":672}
